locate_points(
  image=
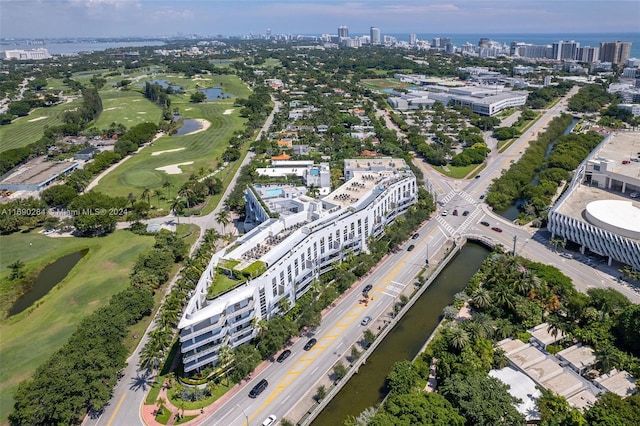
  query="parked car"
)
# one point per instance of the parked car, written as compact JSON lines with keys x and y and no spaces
{"x":484,"y":223}
{"x":495,"y":228}
{"x":465,"y":213}
{"x":366,"y":320}
{"x":270,"y":421}
{"x":633,"y":195}
{"x":259,"y":388}
{"x":415,"y":236}
{"x":567,"y":255}
{"x":411,"y":247}
{"x":284,"y":355}
{"x":455,"y":212}
{"x":310,"y":344}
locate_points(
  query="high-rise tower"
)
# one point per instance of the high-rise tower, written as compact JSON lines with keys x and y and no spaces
{"x":375,"y":35}
{"x":343,"y":31}
{"x":616,"y":52}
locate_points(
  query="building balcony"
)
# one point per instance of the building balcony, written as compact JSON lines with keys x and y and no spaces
{"x":199,"y":329}
{"x":203,"y":339}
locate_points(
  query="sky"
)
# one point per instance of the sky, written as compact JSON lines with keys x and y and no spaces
{"x":124,"y":18}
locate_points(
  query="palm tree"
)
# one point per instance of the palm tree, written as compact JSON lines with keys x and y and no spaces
{"x":458,"y":338}
{"x":131,"y":198}
{"x":158,"y":193}
{"x":226,"y":357}
{"x":17,"y":271}
{"x":160,"y":402}
{"x":176,"y":205}
{"x":557,"y":242}
{"x":481,"y":298}
{"x":167,"y":185}
{"x":224,"y":217}
{"x":146,"y":193}
{"x":608,"y":357}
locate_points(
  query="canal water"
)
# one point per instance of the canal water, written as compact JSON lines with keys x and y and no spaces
{"x":367,"y":388}
{"x":48,"y":278}
{"x":513,"y":212}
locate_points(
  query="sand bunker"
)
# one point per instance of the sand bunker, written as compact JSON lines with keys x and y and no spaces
{"x":227,"y":111}
{"x":173,"y":169}
{"x":153,"y":154}
{"x":141,"y":112}
{"x":38,"y":119}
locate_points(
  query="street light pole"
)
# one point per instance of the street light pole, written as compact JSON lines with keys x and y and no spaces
{"x":245,"y":414}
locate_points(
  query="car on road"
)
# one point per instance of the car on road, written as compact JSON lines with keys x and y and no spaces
{"x":415,"y":236}
{"x":259,"y":388}
{"x":477,"y":177}
{"x":444,"y":213}
{"x":455,"y":212}
{"x":310,"y":344}
{"x":284,"y":355}
{"x":482,"y":197}
{"x":495,"y":228}
{"x":366,"y":320}
{"x":566,"y":255}
{"x":366,"y":289}
{"x":440,"y":203}
{"x":484,"y":223}
{"x":411,"y":247}
{"x":465,"y":213}
{"x":270,"y":421}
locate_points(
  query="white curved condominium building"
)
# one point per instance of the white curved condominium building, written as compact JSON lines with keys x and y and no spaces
{"x":297,"y":238}
{"x":600,"y":210}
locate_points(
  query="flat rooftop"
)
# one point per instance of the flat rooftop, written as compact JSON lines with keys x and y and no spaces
{"x":522,"y":387}
{"x":576,"y":202}
{"x":37,"y":171}
{"x":619,"y":382}
{"x":579,"y":356}
{"x":622,"y":146}
{"x":543,"y":334}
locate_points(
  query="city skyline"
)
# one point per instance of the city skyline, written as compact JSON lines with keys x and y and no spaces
{"x":130,"y":18}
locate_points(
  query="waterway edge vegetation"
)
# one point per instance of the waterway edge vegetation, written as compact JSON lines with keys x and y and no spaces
{"x":508,"y":295}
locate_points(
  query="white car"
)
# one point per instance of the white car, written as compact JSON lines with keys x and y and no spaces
{"x":633,"y":195}
{"x":270,"y":421}
{"x":444,"y":213}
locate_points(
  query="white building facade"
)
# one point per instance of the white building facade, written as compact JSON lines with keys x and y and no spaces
{"x":283,"y":255}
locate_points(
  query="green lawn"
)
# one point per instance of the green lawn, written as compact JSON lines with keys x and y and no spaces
{"x":26,"y":130}
{"x":456,"y":172}
{"x":126,"y":107}
{"x":29,"y":338}
{"x":203,"y":149}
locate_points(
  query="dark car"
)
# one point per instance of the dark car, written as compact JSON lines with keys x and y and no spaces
{"x":465,"y":213}
{"x":482,"y":197}
{"x":411,"y":247}
{"x":366,"y":289}
{"x":257,"y":389}
{"x":477,"y":177}
{"x":455,"y":212}
{"x":310,"y":344}
{"x":284,"y":355}
{"x":484,"y":223}
{"x":495,"y":228}
{"x":415,"y":236}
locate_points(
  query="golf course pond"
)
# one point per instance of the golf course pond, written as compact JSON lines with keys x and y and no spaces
{"x":48,"y":278}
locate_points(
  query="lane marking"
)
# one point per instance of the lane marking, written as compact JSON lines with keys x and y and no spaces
{"x":116,"y":410}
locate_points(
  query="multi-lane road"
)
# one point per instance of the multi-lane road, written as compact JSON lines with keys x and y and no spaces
{"x":292,"y":381}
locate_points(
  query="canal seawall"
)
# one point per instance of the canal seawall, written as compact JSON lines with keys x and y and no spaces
{"x":337,"y":386}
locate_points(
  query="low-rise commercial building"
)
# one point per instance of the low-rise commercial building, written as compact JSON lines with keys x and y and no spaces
{"x":600,"y":209}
